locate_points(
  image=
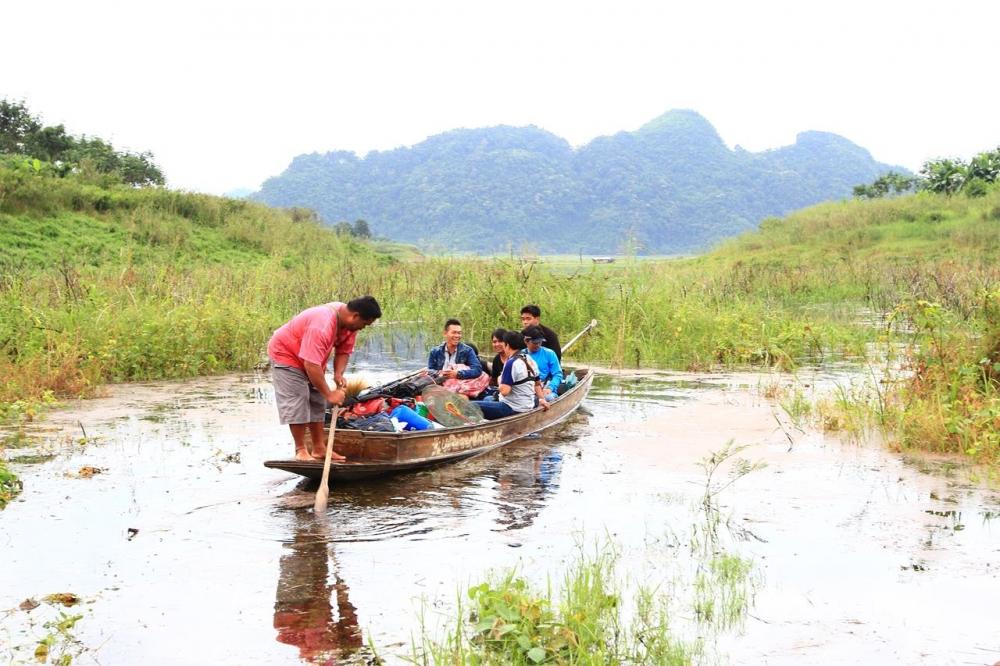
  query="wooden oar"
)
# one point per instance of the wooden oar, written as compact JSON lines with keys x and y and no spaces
{"x":323,"y":492}
{"x":592,"y":324}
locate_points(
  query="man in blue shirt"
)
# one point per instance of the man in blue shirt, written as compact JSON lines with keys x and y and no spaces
{"x":549,"y":370}
{"x":454,"y":352}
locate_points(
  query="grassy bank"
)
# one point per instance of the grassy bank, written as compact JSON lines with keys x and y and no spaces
{"x":928,"y":263}
{"x":103,"y":283}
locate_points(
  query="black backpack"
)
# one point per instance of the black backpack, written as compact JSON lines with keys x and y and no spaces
{"x":412,"y":387}
{"x":532,"y":375}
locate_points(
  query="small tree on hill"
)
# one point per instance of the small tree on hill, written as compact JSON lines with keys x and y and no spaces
{"x":361,"y":229}
{"x":22,"y":133}
{"x":944,"y":176}
{"x":886,"y":184}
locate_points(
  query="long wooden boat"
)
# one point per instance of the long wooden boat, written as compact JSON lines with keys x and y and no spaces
{"x":372,"y":454}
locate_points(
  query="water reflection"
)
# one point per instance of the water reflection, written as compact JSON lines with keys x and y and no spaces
{"x":446,"y":502}
{"x":522,"y":487}
{"x":311,"y":609}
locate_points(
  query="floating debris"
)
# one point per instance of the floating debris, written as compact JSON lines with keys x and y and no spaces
{"x":85,"y":472}
{"x":64,"y":598}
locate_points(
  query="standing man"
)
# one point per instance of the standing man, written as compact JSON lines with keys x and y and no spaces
{"x":531,"y":316}
{"x":452,"y":352}
{"x":299,"y":353}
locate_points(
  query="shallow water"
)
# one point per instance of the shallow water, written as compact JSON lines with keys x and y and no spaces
{"x":187,"y":550}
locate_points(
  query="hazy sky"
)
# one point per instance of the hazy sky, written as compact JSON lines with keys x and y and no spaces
{"x":225,"y":93}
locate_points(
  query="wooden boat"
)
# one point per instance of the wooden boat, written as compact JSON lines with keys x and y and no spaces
{"x":372,"y":454}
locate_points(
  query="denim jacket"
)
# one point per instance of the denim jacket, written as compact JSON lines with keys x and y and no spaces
{"x":464,"y":354}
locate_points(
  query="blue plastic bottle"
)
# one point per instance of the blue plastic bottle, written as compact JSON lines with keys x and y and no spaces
{"x":412,"y":420}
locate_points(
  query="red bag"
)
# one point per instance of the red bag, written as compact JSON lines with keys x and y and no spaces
{"x":369,"y":407}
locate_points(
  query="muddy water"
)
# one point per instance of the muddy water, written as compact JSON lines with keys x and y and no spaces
{"x":186,"y":550}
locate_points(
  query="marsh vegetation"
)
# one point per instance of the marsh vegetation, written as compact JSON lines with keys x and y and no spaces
{"x":102,"y":282}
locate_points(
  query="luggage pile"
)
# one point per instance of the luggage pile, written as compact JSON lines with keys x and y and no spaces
{"x":412,"y":403}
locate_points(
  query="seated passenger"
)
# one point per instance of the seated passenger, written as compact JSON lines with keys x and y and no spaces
{"x":531,"y":315}
{"x":453,"y":352}
{"x":519,"y":385}
{"x":550,"y":372}
{"x":496,"y":367}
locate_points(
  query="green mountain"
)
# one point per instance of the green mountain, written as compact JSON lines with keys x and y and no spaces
{"x":671,"y":186}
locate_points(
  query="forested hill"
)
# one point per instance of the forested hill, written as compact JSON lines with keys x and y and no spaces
{"x":671,"y":186}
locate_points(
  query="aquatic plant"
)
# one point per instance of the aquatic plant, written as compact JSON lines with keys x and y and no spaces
{"x":10,"y":485}
{"x":724,"y":582}
{"x":950,"y":402}
{"x":510,"y":622}
{"x":706,"y":536}
{"x":723,"y":591}
{"x":59,"y":645}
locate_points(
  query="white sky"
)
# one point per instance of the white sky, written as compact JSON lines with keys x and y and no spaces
{"x":225,"y":93}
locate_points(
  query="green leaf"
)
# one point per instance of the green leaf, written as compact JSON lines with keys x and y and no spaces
{"x":36,"y":164}
{"x":508,"y":613}
{"x":536,"y":654}
{"x":506,"y":629}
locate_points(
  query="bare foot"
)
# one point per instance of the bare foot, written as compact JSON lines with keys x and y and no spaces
{"x":334,"y":456}
{"x":303,"y":455}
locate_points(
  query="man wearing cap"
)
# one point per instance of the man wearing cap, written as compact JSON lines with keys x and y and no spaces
{"x":531,"y":315}
{"x":550,"y":372}
{"x":299,"y":353}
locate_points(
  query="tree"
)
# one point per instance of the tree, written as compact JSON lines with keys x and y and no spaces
{"x":985,"y":166}
{"x":361,"y":229}
{"x":16,"y":126}
{"x":139,"y":169}
{"x":888,"y":183}
{"x":944,"y":176}
{"x":22,"y":133}
{"x":50,"y":144}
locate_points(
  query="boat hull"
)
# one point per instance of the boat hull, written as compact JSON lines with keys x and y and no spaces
{"x":371,"y":454}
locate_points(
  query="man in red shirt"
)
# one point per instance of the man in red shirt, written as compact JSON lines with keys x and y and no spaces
{"x":300,"y":351}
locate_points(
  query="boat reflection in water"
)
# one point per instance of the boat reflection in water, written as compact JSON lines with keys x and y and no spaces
{"x":311,"y":609}
{"x":523,"y":485}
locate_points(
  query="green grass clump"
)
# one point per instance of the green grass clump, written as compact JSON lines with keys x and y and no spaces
{"x":10,"y":485}
{"x":512,"y":623}
{"x":950,"y":403}
{"x":723,"y":589}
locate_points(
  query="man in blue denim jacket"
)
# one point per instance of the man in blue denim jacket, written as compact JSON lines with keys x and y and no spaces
{"x":454,"y":352}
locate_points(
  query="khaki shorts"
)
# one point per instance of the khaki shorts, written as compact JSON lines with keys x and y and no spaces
{"x":297,"y":399}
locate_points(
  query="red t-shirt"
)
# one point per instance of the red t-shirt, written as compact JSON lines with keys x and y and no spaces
{"x":310,"y":336}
